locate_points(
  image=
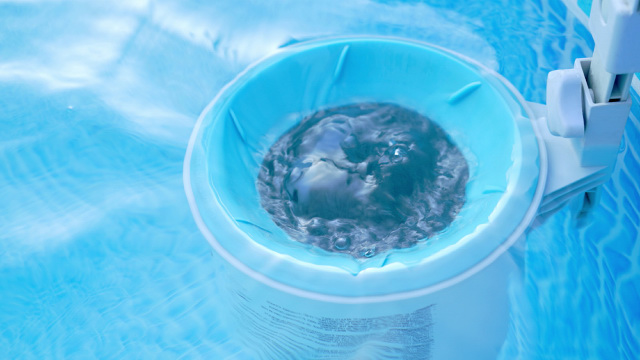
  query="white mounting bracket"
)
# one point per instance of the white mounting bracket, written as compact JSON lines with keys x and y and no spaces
{"x":588,"y":106}
{"x":615,"y":26}
{"x":566,"y":177}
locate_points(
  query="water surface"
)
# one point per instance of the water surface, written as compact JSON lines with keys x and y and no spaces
{"x":99,"y":255}
{"x":363,"y":179}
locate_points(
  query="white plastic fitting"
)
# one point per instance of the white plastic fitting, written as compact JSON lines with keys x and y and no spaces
{"x":564,"y":103}
{"x":588,"y":106}
{"x":615,"y":26}
{"x":604,"y":123}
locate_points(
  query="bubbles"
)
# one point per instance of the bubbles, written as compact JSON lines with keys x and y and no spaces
{"x":363,"y":179}
{"x":369,"y":252}
{"x":342,"y":243}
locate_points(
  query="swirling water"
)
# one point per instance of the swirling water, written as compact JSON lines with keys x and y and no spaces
{"x":364,"y":178}
{"x":99,"y":255}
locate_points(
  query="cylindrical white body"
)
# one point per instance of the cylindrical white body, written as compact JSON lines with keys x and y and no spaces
{"x":468,"y":320}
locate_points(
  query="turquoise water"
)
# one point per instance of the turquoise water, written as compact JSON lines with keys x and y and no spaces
{"x":99,"y":255}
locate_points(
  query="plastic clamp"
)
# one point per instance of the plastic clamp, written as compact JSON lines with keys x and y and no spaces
{"x":564,"y":103}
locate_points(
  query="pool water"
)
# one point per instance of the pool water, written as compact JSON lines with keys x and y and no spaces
{"x":99,"y":255}
{"x":363,"y":179}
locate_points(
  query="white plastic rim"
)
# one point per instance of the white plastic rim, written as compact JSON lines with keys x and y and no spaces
{"x":393,"y":281}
